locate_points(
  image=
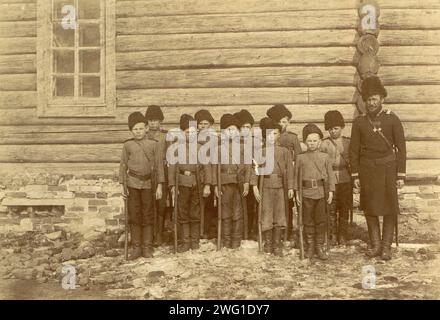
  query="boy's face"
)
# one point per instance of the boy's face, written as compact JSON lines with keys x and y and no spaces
{"x":204,"y":124}
{"x":273,"y":135}
{"x":139,"y":131}
{"x":335,"y":132}
{"x":246,"y":129}
{"x":232,"y":131}
{"x":312,"y":141}
{"x":153,"y":124}
{"x":284,"y":122}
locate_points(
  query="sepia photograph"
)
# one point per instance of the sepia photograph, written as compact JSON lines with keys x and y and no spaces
{"x":235,"y":152}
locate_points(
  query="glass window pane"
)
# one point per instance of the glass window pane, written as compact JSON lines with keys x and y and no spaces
{"x":63,"y":37}
{"x":89,"y":9}
{"x":89,"y":35}
{"x":58,"y":8}
{"x":90,"y":86}
{"x":63,"y":61}
{"x":89,"y":61}
{"x":63,"y":87}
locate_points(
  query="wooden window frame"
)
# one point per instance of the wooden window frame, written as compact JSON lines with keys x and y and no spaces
{"x":103,"y":106}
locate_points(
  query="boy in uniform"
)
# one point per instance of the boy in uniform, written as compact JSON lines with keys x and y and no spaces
{"x":337,"y":147}
{"x":315,"y":167}
{"x":140,"y":158}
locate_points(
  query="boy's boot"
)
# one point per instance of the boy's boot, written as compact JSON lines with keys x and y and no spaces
{"x":343,"y":230}
{"x":237,"y":233}
{"x":159,"y":233}
{"x":387,"y":236}
{"x":195,"y":235}
{"x":147,"y":241}
{"x":185,"y":240}
{"x":310,"y":242}
{"x":267,"y":237}
{"x":320,"y":252}
{"x":226,"y":233}
{"x":333,"y":236}
{"x":277,"y":244}
{"x":373,"y":225}
{"x":135,"y":242}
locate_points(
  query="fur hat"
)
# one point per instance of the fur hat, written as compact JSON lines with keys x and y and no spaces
{"x":243,"y":117}
{"x":154,"y":113}
{"x":333,"y":118}
{"x":278,"y":111}
{"x":311,"y":128}
{"x":204,"y":114}
{"x":228,"y":120}
{"x":371,"y":86}
{"x":184,"y":121}
{"x":268,"y":123}
{"x":135,"y":118}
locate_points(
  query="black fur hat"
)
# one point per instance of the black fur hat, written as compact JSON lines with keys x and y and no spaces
{"x":278,"y":111}
{"x":227,"y":120}
{"x":371,"y":86}
{"x":311,"y":128}
{"x":333,"y":118}
{"x":244,"y":117}
{"x":184,"y":121}
{"x":154,"y":113}
{"x":204,"y":114}
{"x":135,"y":118}
{"x":268,"y":123}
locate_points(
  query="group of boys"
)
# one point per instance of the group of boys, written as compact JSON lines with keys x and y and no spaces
{"x":315,"y":176}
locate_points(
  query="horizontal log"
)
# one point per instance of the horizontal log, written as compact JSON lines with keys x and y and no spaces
{"x":236,"y":77}
{"x":416,"y":169}
{"x":111,"y":152}
{"x":281,"y":21}
{"x":176,"y":7}
{"x":406,"y":75}
{"x":17,"y":99}
{"x":301,"y":113}
{"x":409,"y":19}
{"x":18,"y":11}
{"x":409,"y":37}
{"x":18,"y":29}
{"x":175,"y":59}
{"x":103,"y":134}
{"x":18,"y":45}
{"x":18,"y":82}
{"x":409,"y":55}
{"x":21,"y":63}
{"x":272,"y":39}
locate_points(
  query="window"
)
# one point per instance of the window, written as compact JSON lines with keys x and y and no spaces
{"x":76,"y":58}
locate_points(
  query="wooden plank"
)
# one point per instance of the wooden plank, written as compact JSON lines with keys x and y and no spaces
{"x":178,"y":7}
{"x":265,"y":39}
{"x":280,"y":21}
{"x":396,"y":94}
{"x":409,"y":55}
{"x":18,"y":45}
{"x":20,"y":63}
{"x":103,"y":134}
{"x":409,"y":19}
{"x":146,"y":60}
{"x":236,"y":77}
{"x":301,"y":113}
{"x":409,"y":38}
{"x":212,"y":96}
{"x":18,"y":82}
{"x":18,"y":12}
{"x":111,"y":152}
{"x":409,"y":75}
{"x":17,"y":99}
{"x":18,"y":29}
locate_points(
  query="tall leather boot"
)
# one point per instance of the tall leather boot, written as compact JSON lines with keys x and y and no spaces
{"x":310,"y":243}
{"x":267,"y":238}
{"x":319,"y":245}
{"x":195,"y":235}
{"x":373,"y":225}
{"x":135,"y":242}
{"x":226,"y":233}
{"x":237,"y":233}
{"x":159,"y":231}
{"x":277,"y":244}
{"x":147,"y":241}
{"x":185,"y":240}
{"x":389,"y":222}
{"x":333,"y":227}
{"x":342,"y":230}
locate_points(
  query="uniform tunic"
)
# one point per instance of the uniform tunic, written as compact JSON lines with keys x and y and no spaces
{"x":376,"y":163}
{"x":273,"y":193}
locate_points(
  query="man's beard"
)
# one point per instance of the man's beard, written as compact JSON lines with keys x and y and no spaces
{"x":375,"y":112}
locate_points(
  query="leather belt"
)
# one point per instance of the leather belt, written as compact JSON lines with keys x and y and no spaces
{"x":139,"y":176}
{"x":312,"y":184}
{"x":380,"y":161}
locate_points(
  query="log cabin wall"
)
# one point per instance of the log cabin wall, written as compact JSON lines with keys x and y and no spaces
{"x":223,"y":56}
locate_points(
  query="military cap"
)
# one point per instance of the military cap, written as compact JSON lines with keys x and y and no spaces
{"x":311,"y":128}
{"x":184,"y":121}
{"x":278,"y":111}
{"x":243,"y":117}
{"x":204,"y":114}
{"x":371,"y":86}
{"x":135,"y":118}
{"x":154,"y":113}
{"x":228,"y":120}
{"x":333,"y":118}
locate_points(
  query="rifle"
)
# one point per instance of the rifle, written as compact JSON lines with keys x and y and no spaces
{"x":327,"y":214}
{"x":126,"y":222}
{"x":202,"y":203}
{"x":286,"y":207}
{"x":260,"y":207}
{"x":175,"y":211}
{"x":154,"y":187}
{"x":300,"y":216}
{"x":219,"y":208}
{"x":245,"y":213}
